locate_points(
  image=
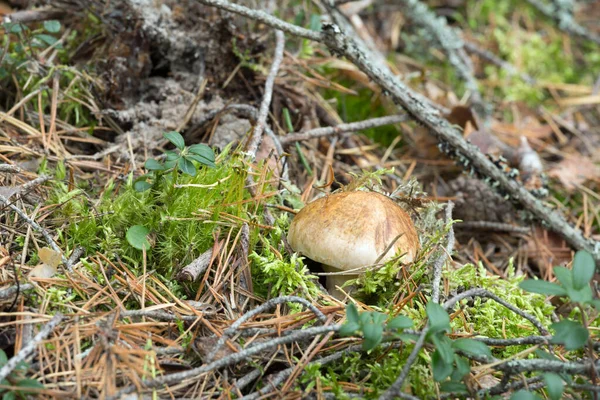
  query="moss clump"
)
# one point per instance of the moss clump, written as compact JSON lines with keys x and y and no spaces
{"x":181,"y":220}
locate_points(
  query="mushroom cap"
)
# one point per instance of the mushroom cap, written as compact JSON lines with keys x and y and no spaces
{"x":350,"y":230}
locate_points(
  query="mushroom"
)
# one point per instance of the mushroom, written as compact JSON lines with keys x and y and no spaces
{"x":347,"y":231}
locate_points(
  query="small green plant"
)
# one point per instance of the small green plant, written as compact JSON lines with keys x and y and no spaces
{"x":182,"y":160}
{"x":372,"y":325}
{"x":137,"y":236}
{"x":16,"y":378}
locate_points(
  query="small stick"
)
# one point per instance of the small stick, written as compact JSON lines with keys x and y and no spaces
{"x":263,"y":307}
{"x":478,"y":292}
{"x":343,"y":128}
{"x":263,"y":113}
{"x":30,"y":346}
{"x":491,"y":57}
{"x":492,"y":226}
{"x":191,"y":271}
{"x":13,"y":169}
{"x":437,"y":266}
{"x":12,"y":290}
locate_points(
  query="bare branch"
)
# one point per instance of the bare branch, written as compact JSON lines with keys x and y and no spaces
{"x":263,"y":113}
{"x":343,"y":128}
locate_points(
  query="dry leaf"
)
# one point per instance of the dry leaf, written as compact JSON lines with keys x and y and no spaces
{"x":43,"y":271}
{"x":50,"y":257}
{"x":573,"y":171}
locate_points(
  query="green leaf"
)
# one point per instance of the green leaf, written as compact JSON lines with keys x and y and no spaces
{"x":596,"y":304}
{"x":49,"y":40}
{"x":543,"y":287}
{"x":569,"y":333}
{"x":365,"y":318}
{"x":171,"y":155}
{"x":141,"y":185}
{"x":170,"y":164}
{"x":439,"y":321}
{"x":524,"y":395}
{"x":444,"y":345}
{"x":3,"y":357}
{"x":137,"y":237}
{"x":378,"y":318}
{"x":9,"y":395}
{"x":373,"y":333}
{"x":349,"y":328}
{"x":400,"y":322}
{"x":204,"y":152}
{"x":564,"y":276}
{"x":441,"y":368}
{"x":554,"y":385}
{"x":52,"y":26}
{"x":176,"y":139}
{"x":153,"y":165}
{"x":29,"y":384}
{"x":187,"y":167}
{"x":473,"y":347}
{"x":584,"y":268}
{"x":462,"y":367}
{"x":583,"y":295}
{"x":454,"y":387}
{"x":201,"y":160}
{"x":352,"y":313}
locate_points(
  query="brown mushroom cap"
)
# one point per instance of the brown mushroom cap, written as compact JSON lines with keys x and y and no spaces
{"x":350,"y":230}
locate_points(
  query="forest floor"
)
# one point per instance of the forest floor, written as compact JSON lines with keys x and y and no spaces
{"x":154,"y":153}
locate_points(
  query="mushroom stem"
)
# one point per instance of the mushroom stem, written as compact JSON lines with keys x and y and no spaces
{"x":335,"y":281}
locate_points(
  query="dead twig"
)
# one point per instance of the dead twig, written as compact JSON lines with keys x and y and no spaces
{"x":263,"y":112}
{"x":343,"y":128}
{"x":229,"y":332}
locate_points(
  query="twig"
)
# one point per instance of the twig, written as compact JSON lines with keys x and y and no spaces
{"x":13,"y":169}
{"x":437,"y":266}
{"x":492,"y":226}
{"x":396,"y":388}
{"x":279,"y":377}
{"x":419,"y":109}
{"x":229,"y":360}
{"x":343,"y":128}
{"x":191,"y":271}
{"x":263,"y":307}
{"x":74,"y":258}
{"x":12,"y":290}
{"x":33,"y":16}
{"x":26,"y":187}
{"x":36,"y":226}
{"x":192,"y":108}
{"x":263,"y":113}
{"x":491,"y":57}
{"x":478,"y":292}
{"x":30,"y":346}
{"x":565,"y":20}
